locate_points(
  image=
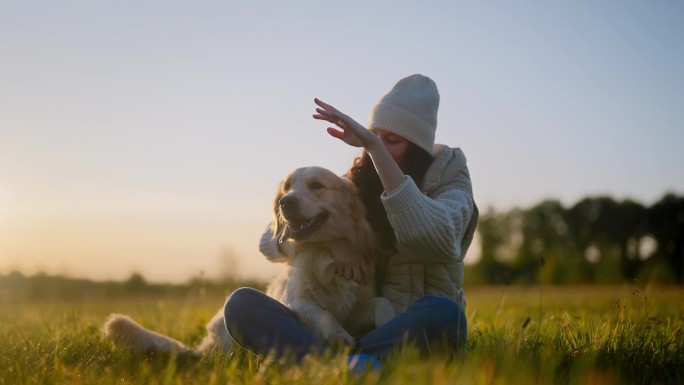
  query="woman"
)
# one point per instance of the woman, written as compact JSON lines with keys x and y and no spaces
{"x":420,"y":203}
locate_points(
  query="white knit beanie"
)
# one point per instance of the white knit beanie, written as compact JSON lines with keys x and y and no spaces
{"x":409,"y":110}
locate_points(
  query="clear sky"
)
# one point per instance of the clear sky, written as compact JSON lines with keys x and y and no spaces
{"x":150,"y":136}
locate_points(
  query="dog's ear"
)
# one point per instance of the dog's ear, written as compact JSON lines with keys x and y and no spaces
{"x":356,"y":206}
{"x":363,"y":234}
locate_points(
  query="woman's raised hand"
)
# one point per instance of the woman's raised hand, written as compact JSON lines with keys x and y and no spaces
{"x":351,"y":132}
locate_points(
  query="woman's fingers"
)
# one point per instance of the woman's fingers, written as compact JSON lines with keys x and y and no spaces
{"x":339,"y":134}
{"x":331,"y":119}
{"x":362,"y":274}
{"x":323,"y":117}
{"x":322,"y":104}
{"x":328,"y":112}
{"x":350,"y":267}
{"x":359,"y":276}
{"x":349,"y":130}
{"x":334,"y":117}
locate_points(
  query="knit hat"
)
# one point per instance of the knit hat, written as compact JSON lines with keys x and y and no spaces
{"x":409,"y":110}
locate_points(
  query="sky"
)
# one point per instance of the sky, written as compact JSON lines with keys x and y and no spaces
{"x":150,"y":136}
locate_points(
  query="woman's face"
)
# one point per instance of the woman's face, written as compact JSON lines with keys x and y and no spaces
{"x":395,"y":144}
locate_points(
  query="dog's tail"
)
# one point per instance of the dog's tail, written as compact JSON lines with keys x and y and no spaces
{"x":125,"y":332}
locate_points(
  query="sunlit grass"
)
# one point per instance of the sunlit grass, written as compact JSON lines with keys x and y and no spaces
{"x":587,"y":335}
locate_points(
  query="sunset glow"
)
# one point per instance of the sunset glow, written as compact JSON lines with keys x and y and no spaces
{"x":146,"y":138}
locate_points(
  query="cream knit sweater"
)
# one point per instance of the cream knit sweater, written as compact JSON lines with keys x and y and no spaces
{"x":434,"y":226}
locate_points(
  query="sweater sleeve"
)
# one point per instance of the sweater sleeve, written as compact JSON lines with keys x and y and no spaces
{"x":431,"y":228}
{"x":273,"y":250}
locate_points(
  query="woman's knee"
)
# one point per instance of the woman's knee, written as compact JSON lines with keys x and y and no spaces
{"x":238,"y":303}
{"x":444,"y":321}
{"x":441,"y":311}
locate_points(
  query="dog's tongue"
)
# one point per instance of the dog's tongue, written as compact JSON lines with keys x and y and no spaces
{"x":286,"y":234}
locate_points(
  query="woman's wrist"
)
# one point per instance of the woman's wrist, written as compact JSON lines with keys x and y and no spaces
{"x":389,"y":172}
{"x":373,"y":144}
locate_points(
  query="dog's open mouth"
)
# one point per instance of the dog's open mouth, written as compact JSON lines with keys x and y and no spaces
{"x":300,"y":228}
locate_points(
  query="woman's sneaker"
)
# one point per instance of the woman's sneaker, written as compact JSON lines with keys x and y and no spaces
{"x":362,"y":363}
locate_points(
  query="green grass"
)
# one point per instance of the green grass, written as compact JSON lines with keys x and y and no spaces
{"x":587,"y":335}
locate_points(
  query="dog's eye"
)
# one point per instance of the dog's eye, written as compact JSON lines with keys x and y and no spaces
{"x":286,"y":186}
{"x":315,"y":186}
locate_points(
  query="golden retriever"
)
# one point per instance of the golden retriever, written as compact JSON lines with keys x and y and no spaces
{"x":316,"y":211}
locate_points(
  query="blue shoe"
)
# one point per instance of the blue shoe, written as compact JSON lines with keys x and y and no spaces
{"x":362,"y":363}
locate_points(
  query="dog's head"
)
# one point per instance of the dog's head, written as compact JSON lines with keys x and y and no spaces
{"x":313,"y":204}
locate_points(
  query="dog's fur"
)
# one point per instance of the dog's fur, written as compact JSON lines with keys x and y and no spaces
{"x":315,"y":211}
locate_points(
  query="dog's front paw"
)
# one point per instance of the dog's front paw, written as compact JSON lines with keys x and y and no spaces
{"x":340,"y":337}
{"x":333,"y":332}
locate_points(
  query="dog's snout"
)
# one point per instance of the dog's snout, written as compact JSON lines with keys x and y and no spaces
{"x":289,"y":204}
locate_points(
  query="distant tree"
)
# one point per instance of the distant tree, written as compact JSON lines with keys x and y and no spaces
{"x":608,"y":225}
{"x":627,"y":226}
{"x":136,"y":282}
{"x":596,"y":240}
{"x":665,"y":222}
{"x":546,"y":243}
{"x":495,"y":232}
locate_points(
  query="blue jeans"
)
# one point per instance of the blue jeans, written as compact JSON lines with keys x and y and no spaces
{"x":263,"y":325}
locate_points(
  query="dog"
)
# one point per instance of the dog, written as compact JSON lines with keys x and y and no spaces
{"x":315,"y":211}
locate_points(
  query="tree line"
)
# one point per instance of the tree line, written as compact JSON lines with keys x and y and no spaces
{"x":597,"y":240}
{"x":17,"y":287}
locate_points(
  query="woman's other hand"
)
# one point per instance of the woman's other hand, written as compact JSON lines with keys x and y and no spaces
{"x":352,"y":266}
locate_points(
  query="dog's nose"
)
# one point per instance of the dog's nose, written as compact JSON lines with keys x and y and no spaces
{"x":289,"y":204}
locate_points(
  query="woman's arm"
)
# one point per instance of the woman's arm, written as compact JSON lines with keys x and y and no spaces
{"x":357,"y":135}
{"x":274,"y":250}
{"x":432,"y":228}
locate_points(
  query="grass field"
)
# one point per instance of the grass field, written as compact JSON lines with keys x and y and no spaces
{"x":564,"y":335}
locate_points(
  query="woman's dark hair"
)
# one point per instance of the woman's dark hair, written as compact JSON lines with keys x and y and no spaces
{"x":366,"y":179}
